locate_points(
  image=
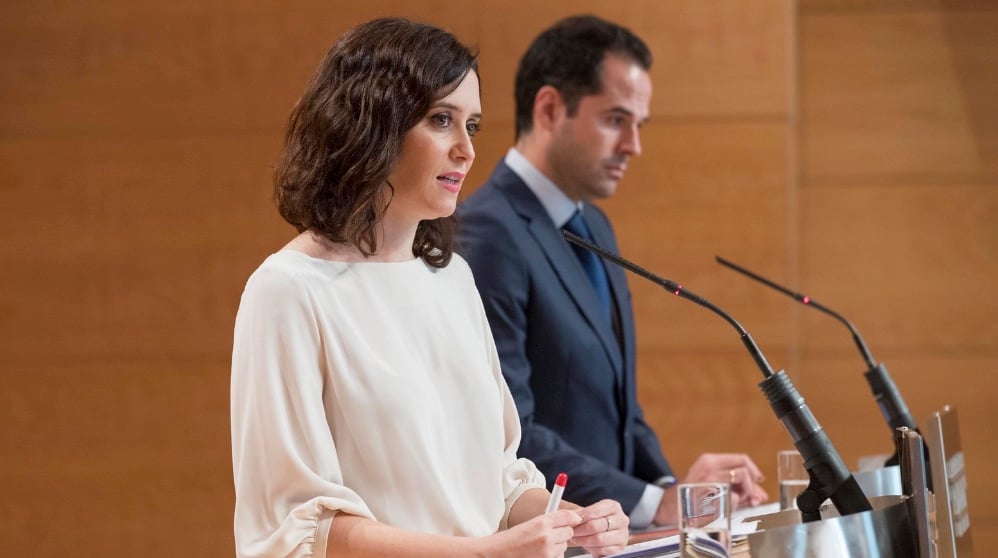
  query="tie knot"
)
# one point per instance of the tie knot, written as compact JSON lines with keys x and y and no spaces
{"x":577,"y":226}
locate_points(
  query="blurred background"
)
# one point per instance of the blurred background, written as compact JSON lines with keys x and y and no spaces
{"x":845,"y":148}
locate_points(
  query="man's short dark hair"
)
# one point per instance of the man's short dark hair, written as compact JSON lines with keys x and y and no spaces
{"x":568,"y":56}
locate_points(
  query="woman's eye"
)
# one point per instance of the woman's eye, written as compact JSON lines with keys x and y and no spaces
{"x":473,"y":128}
{"x":443,"y":119}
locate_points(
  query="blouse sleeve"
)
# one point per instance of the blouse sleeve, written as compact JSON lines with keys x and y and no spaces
{"x":288,"y":480}
{"x":519,"y":474}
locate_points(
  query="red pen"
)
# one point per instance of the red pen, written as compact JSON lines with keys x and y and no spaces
{"x":556,"y":492}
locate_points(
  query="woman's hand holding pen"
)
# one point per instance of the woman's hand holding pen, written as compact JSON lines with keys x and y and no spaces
{"x":544,"y":536}
{"x":603,"y":530}
{"x":600,"y":529}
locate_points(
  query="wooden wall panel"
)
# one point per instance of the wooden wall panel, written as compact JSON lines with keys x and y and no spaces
{"x":87,"y":69}
{"x":132,"y":247}
{"x":903,"y":96}
{"x":115,"y":456}
{"x":711,"y":59}
{"x":910,"y":266}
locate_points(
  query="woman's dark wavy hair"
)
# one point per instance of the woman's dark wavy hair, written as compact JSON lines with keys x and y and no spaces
{"x":345,"y":133}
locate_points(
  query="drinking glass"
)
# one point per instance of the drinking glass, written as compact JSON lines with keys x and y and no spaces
{"x":792,"y":477}
{"x":704,"y":520}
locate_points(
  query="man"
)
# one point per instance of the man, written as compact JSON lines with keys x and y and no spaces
{"x":562,"y":323}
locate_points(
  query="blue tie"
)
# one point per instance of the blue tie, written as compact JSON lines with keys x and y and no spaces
{"x":591,"y":263}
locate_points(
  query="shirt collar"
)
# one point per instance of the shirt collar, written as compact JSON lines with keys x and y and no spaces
{"x":558,"y":206}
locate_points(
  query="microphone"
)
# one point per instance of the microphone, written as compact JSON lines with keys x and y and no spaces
{"x":830,"y":479}
{"x":889,"y":399}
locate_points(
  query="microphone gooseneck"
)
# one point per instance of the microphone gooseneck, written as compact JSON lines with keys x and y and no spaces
{"x":808,"y":301}
{"x":829,"y":476}
{"x":885,"y":391}
{"x":677,"y":289}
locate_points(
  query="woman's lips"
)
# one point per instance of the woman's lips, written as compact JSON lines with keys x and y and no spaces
{"x":451,"y":181}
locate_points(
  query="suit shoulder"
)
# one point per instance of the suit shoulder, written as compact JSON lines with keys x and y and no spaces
{"x":487,"y":199}
{"x":487,"y":212}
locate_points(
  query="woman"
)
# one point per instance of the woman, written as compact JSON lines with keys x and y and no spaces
{"x":369,"y":414}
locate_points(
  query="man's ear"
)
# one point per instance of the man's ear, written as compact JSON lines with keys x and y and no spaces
{"x":549,"y":108}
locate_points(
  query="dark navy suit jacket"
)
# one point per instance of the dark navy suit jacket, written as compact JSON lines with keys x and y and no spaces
{"x":572,"y":379}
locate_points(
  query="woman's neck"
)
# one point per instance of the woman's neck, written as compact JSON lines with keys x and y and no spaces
{"x":395,"y":240}
{"x":394,"y":245}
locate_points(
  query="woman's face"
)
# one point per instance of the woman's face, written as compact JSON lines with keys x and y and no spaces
{"x":436,"y":155}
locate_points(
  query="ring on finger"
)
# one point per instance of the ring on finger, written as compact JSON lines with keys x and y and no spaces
{"x":609,"y":523}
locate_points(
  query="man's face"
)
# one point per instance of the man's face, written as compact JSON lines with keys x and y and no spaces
{"x":589,"y":151}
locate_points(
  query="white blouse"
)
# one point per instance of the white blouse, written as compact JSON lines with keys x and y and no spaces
{"x":372,"y":388}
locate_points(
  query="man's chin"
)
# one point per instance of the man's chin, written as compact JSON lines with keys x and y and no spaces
{"x":605,"y":189}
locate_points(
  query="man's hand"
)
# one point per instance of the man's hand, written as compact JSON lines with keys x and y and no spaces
{"x":736,"y":468}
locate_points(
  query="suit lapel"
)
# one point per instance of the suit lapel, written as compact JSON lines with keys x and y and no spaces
{"x":564,"y":262}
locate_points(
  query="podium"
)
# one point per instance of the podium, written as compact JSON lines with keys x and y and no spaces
{"x":942,"y":436}
{"x":884,"y":532}
{"x":915,"y":524}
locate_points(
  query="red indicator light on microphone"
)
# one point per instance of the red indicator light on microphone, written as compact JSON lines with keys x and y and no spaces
{"x":806,"y":300}
{"x":678,"y":288}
